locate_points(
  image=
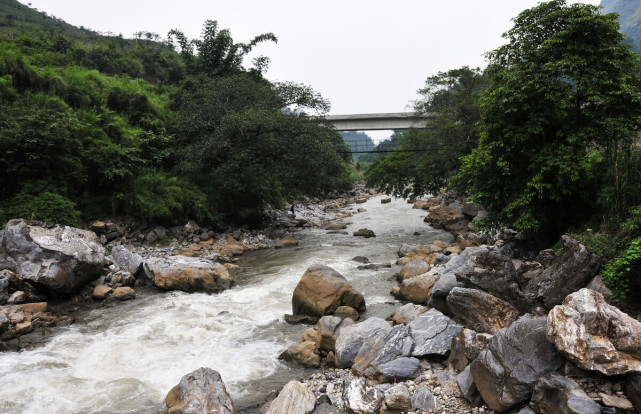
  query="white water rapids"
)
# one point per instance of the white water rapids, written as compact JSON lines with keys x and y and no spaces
{"x":125,"y":357}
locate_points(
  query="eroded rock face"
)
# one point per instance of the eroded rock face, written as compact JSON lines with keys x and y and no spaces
{"x":555,"y":394}
{"x":382,"y":348}
{"x":293,"y":398}
{"x":432,"y":333}
{"x":189,"y":274}
{"x":595,"y":335}
{"x":350,"y":339}
{"x":515,"y":358}
{"x":322,"y":290}
{"x":201,"y":391}
{"x":571,"y":271}
{"x":62,"y":259}
{"x":480,"y":310}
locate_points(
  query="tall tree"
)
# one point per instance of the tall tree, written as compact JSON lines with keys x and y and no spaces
{"x":563,"y":85}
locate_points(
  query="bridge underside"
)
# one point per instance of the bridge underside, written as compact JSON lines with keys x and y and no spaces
{"x":376,"y":122}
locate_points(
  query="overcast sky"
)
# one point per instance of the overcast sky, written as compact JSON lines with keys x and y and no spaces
{"x":365,"y":56}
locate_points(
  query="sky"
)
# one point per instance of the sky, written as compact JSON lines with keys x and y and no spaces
{"x":364,"y":56}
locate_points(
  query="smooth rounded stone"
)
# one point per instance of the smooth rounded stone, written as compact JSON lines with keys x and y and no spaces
{"x":616,"y":402}
{"x":398,"y":398}
{"x":465,"y":382}
{"x":126,"y":259}
{"x":398,"y":369}
{"x":595,"y":335}
{"x":414,"y":268}
{"x":633,"y":389}
{"x":386,"y":200}
{"x":432,"y":333}
{"x":189,"y":274}
{"x":404,"y":249}
{"x":23,"y":327}
{"x":101,"y":292}
{"x":201,"y":391}
{"x":335,"y":226}
{"x":360,"y":259}
{"x":321,"y":290}
{"x":63,"y":259}
{"x":287,"y":243}
{"x":556,"y":394}
{"x":34,"y":307}
{"x":466,"y":346}
{"x":301,"y":319}
{"x":423,"y":399}
{"x":371,"y":266}
{"x":305,"y":354}
{"x":361,"y":398}
{"x":351,"y":338}
{"x":417,"y":289}
{"x":367,"y":233}
{"x":293,"y":398}
{"x":123,"y":293}
{"x":381,"y":348}
{"x":407,"y":313}
{"x":347,"y":312}
{"x":480,"y":310}
{"x":515,"y":358}
{"x":571,"y":271}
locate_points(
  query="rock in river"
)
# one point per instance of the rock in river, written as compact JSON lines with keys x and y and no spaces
{"x":189,"y":274}
{"x":201,"y":391}
{"x":322,"y":290}
{"x":63,"y":259}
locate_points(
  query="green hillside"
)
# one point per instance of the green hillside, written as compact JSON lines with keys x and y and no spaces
{"x":630,"y":18}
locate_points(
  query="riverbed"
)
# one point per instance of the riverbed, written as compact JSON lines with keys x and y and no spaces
{"x":125,"y":357}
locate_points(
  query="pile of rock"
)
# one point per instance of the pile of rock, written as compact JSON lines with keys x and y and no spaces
{"x":448,"y":212}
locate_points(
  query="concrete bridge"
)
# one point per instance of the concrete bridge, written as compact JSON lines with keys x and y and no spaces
{"x":376,"y":122}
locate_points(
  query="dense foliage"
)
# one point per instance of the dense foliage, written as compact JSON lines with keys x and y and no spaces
{"x":432,"y":155}
{"x":96,"y":125}
{"x":563,"y":86}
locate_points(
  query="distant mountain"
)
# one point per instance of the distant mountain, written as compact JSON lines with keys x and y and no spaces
{"x":630,"y":18}
{"x":358,"y":141}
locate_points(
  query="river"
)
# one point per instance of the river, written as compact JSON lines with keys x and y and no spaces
{"x":125,"y":357}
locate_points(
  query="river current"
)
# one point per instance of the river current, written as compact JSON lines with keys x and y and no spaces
{"x":125,"y":357}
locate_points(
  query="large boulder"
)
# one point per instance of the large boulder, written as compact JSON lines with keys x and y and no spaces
{"x":556,"y":394}
{"x":414,"y":268}
{"x":293,"y":398}
{"x":398,"y":398}
{"x":466,"y":346}
{"x":480,"y":310}
{"x":126,"y":260}
{"x":416,"y":289}
{"x":304,"y":353}
{"x":61,"y":259}
{"x":515,"y":358}
{"x":189,"y":274}
{"x":351,"y":338}
{"x":322,"y":290}
{"x":329,"y":328}
{"x":201,"y":391}
{"x":382,"y":348}
{"x":595,"y":335}
{"x":407,"y":313}
{"x":432,"y":333}
{"x":571,"y":271}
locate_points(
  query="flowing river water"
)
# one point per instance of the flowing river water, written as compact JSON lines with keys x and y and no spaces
{"x":124,"y":358}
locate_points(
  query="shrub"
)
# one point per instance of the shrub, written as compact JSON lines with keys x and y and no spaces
{"x":45,"y":206}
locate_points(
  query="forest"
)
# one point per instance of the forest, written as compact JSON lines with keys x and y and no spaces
{"x":158,"y":129}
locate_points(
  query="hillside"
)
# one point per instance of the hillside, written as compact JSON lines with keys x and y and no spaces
{"x":630,"y":18}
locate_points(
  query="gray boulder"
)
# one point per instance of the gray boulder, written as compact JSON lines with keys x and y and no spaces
{"x":480,"y":310}
{"x":398,"y":398}
{"x":466,"y":384}
{"x":62,"y":259}
{"x":423,"y":399}
{"x":126,"y":260}
{"x":571,"y":271}
{"x":367,"y":233}
{"x":633,"y":388}
{"x":432,"y":333}
{"x":350,"y":339}
{"x":515,"y":358}
{"x":293,"y":398}
{"x":361,"y":398}
{"x":4,"y":287}
{"x":201,"y":391}
{"x":189,"y":274}
{"x":595,"y":335}
{"x":398,"y":369}
{"x":328,"y":329}
{"x":404,"y":249}
{"x":381,"y":348}
{"x":556,"y":394}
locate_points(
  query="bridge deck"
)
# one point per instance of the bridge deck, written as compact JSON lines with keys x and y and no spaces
{"x":374,"y":122}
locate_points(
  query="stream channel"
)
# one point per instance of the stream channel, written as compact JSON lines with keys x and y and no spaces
{"x":125,"y":357}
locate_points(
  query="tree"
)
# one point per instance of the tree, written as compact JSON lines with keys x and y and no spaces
{"x":451,"y":99}
{"x":564,"y":85}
